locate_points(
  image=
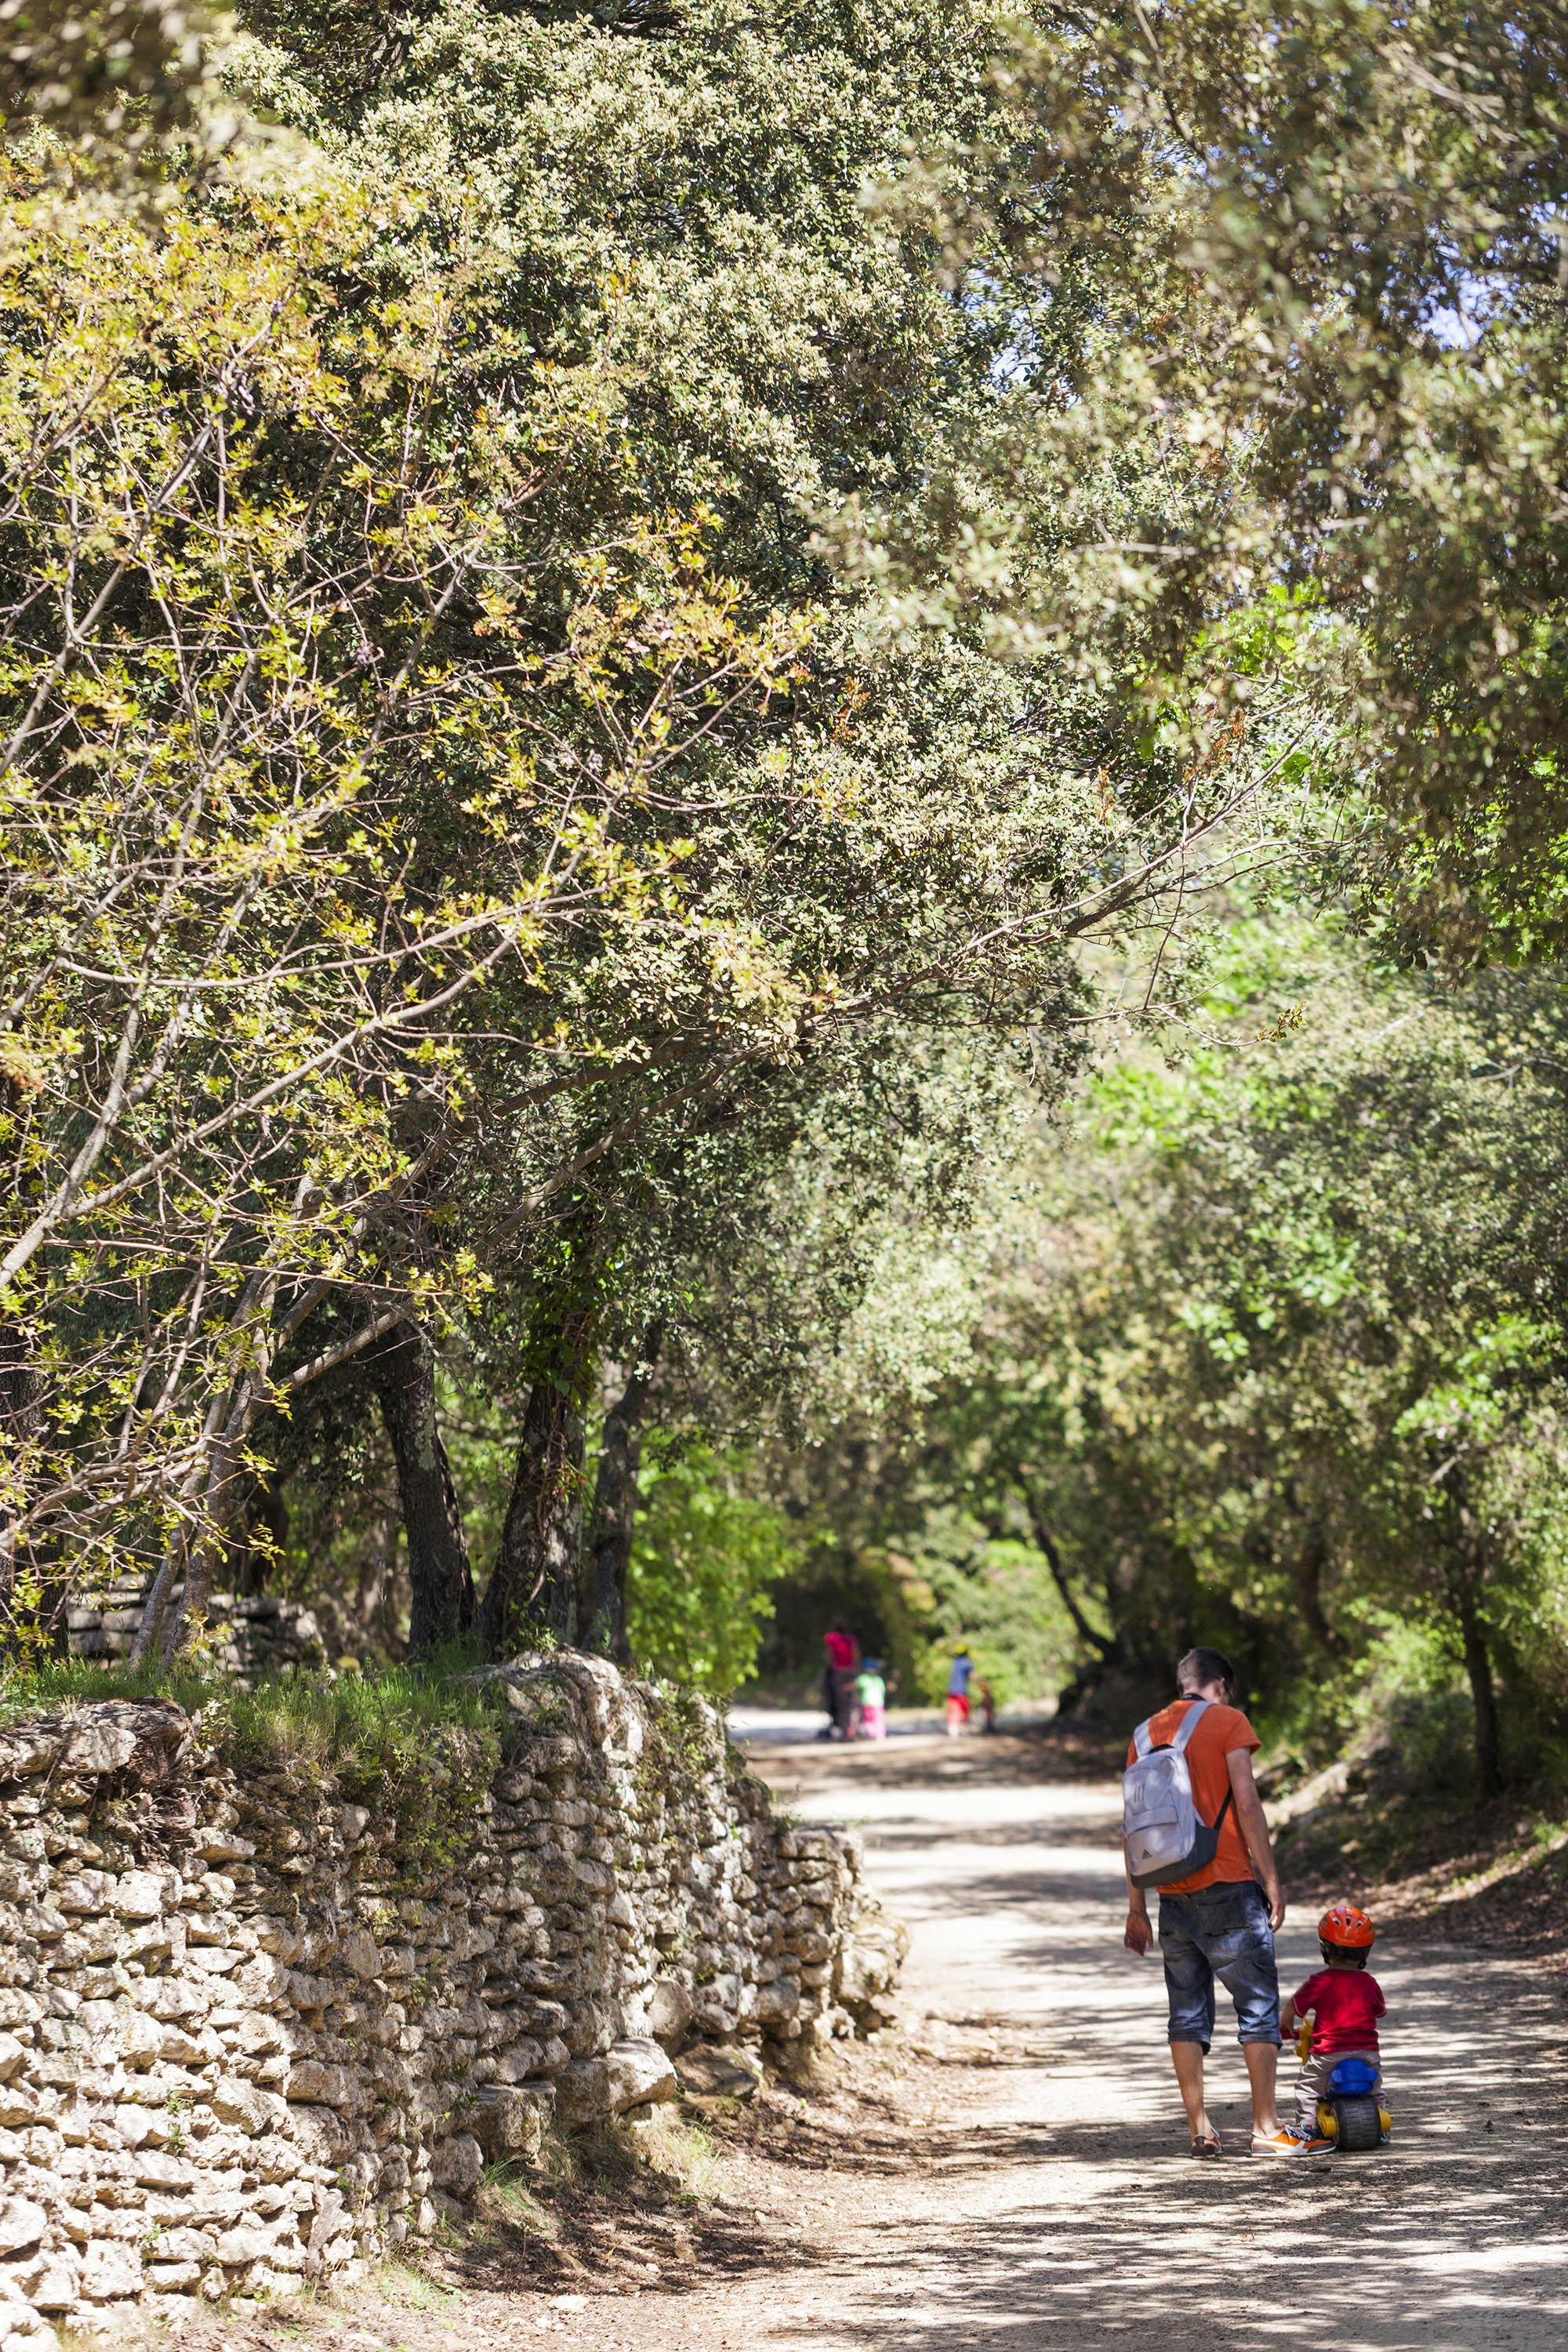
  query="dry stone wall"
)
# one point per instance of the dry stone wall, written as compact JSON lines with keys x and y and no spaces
{"x":248,"y":1638}
{"x":254,"y":2030}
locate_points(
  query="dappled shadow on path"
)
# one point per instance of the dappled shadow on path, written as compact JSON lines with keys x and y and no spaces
{"x":1064,"y":2208}
{"x":1453,"y":2237}
{"x":1435,"y":2247}
{"x":1052,"y":1753}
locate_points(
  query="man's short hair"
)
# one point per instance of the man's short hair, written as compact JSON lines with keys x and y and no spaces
{"x":1202,"y":1666}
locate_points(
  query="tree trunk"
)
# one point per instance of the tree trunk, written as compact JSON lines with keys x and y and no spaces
{"x":212,"y":1547}
{"x":373,"y":1586}
{"x":1483,"y":1696}
{"x":1047,"y":1544}
{"x":21,"y":1420}
{"x":442,"y":1604}
{"x":260,"y":1537}
{"x":34,"y":1587}
{"x":1311,"y":1561}
{"x":1104,"y":1654}
{"x":533,"y":1587}
{"x":613,"y":1516}
{"x":1466,"y":1576}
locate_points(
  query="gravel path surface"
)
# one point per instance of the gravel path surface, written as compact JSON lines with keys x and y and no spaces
{"x":1009,"y":2170}
{"x":1025,"y":2182}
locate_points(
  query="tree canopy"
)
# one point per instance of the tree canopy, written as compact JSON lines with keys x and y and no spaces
{"x":673,"y":681}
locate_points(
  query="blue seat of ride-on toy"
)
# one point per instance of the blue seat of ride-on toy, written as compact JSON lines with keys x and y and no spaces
{"x":1352,"y":2078}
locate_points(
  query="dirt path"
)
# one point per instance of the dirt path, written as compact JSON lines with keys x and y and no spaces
{"x":1023,"y":2184}
{"x":1009,"y":2170}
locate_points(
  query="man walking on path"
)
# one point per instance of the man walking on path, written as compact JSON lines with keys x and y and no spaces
{"x":1221,"y":1921}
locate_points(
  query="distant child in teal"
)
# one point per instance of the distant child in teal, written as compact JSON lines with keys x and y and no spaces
{"x":870,"y":1701}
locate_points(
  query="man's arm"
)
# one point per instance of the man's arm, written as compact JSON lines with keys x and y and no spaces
{"x":1253,"y":1828}
{"x":1137,"y":1935}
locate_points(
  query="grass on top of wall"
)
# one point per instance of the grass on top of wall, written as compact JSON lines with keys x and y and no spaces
{"x":417,"y":1746}
{"x":393,"y":1722}
{"x":44,"y":1685}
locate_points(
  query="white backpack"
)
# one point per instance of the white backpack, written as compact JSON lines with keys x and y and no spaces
{"x":1165,"y":1836}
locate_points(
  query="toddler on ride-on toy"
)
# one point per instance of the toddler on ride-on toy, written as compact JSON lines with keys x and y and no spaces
{"x":1337,"y":2096}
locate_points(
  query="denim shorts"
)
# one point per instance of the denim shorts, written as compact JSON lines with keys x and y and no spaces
{"x":1221,"y":1931}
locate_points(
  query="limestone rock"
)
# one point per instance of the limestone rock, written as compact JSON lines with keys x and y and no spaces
{"x":630,"y":2074}
{"x":358,"y":1950}
{"x":315,"y":2083}
{"x":508,"y":2120}
{"x":179,"y":2245}
{"x":321,"y":2136}
{"x":246,"y":2104}
{"x":669,"y":2013}
{"x":56,"y":2284}
{"x":869,"y":1958}
{"x":777,"y":2002}
{"x":253,"y":2031}
{"x":172,"y":2278}
{"x":708,"y":2073}
{"x":236,"y":2249}
{"x":457,"y":2163}
{"x":22,"y":2225}
{"x":139,"y":1894}
{"x":34,"y":2335}
{"x":110,"y":2272}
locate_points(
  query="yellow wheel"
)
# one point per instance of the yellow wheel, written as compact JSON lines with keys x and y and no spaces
{"x":1328,"y":2123}
{"x":1386,"y":2120}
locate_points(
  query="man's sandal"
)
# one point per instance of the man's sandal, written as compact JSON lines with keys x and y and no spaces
{"x":1206,"y":2143}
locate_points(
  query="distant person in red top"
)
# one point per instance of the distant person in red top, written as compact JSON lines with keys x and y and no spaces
{"x":1220,"y":1922}
{"x":839,"y":1679}
{"x":958,"y":1681}
{"x":1344,"y":2005}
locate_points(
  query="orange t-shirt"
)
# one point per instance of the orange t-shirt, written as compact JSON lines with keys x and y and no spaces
{"x":1221,"y":1730}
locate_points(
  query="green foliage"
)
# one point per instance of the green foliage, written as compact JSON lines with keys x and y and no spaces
{"x":372,"y":1730}
{"x":435,"y":890}
{"x":416,"y":1749}
{"x":1277,"y":1356}
{"x":115,"y":83}
{"x":992,"y":1596}
{"x":704,"y":1563}
{"x":1329,"y":319}
{"x":586,"y":629}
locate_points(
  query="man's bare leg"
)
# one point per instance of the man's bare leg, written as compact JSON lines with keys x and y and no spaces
{"x":1262,"y":2067}
{"x":1187,"y":2058}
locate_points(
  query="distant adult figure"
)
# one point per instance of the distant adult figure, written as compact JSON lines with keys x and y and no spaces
{"x":1219,"y":1920}
{"x":958,"y":1681}
{"x":838,"y":1677}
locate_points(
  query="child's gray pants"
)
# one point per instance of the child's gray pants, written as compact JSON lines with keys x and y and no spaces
{"x":1313,"y":2083}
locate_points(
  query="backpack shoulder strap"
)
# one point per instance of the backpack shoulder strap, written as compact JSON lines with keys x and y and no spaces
{"x":1189,"y":1722}
{"x":1140,"y":1740}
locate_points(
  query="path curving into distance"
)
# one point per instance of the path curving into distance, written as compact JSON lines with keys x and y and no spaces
{"x":1025,"y":2184}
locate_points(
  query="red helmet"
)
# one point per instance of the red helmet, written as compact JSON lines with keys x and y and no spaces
{"x":1351,"y":1929}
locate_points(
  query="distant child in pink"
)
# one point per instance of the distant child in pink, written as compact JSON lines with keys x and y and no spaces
{"x":870,"y":1702}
